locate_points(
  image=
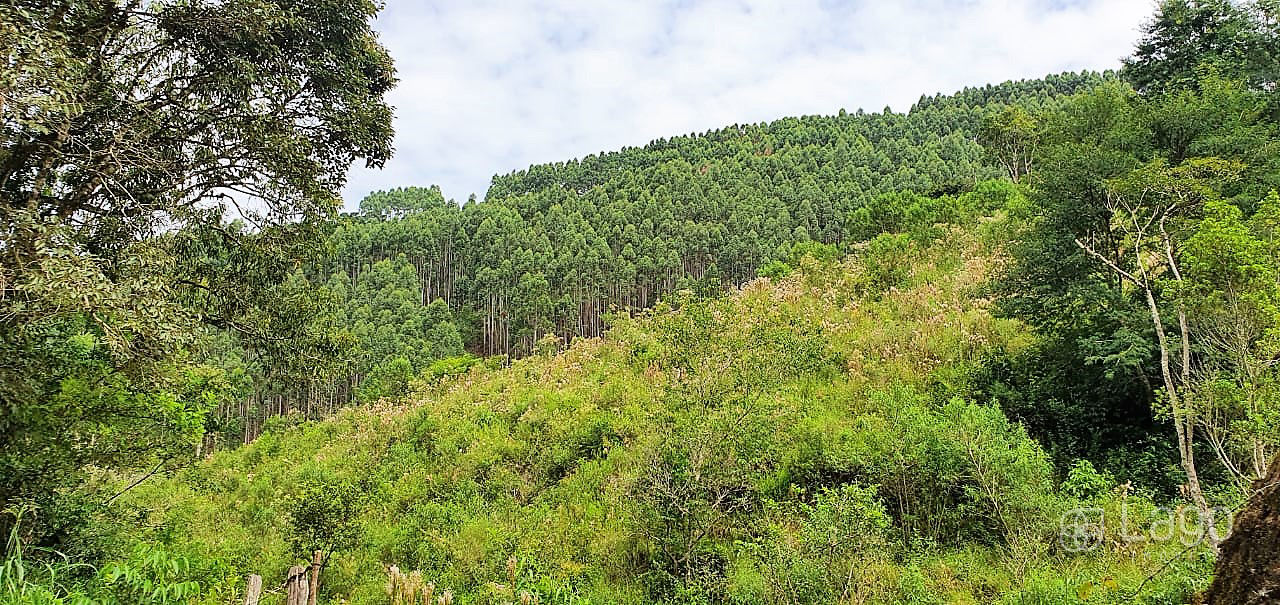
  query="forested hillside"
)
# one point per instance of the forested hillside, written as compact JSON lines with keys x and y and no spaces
{"x":809,"y":439}
{"x":1020,"y":344}
{"x":553,"y":248}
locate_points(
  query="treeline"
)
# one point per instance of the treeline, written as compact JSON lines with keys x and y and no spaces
{"x":552,"y":249}
{"x":1148,"y":262}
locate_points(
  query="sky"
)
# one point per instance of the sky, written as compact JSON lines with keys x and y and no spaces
{"x":488,"y":87}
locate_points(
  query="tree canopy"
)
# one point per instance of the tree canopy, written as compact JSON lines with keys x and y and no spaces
{"x":130,"y":132}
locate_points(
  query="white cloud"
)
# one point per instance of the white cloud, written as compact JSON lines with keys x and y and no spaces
{"x":493,"y":86}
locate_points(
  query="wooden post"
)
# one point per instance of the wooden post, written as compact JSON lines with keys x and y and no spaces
{"x":254,"y":591}
{"x":296,"y":587}
{"x":315,"y":578}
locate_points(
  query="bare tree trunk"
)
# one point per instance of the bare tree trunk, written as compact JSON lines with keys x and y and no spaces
{"x":1183,"y":422}
{"x":1183,"y":419}
{"x":314,"y":592}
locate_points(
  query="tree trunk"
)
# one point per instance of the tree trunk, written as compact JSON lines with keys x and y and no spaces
{"x":314,"y":593}
{"x":1248,"y":568}
{"x":1183,"y":424}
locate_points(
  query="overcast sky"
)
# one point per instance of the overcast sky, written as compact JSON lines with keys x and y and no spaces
{"x":487,"y":87}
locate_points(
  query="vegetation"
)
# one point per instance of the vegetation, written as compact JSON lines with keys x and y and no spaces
{"x":128,"y":129}
{"x":743,"y":449}
{"x":553,"y":249}
{"x":864,"y":358}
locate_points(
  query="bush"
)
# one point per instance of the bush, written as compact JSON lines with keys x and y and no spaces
{"x":825,"y":555}
{"x":449,"y":366}
{"x":794,"y":256}
{"x":324,"y":515}
{"x":388,"y":379}
{"x":1084,"y":483}
{"x":888,"y":260}
{"x":151,"y":574}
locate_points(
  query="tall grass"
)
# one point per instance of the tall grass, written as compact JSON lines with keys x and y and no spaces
{"x":44,"y":582}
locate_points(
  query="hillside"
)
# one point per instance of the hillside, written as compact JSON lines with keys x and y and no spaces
{"x":788,"y":443}
{"x":1020,"y":344}
{"x":552,"y":248}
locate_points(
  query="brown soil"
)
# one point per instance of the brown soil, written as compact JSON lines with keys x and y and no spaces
{"x":1248,"y":567}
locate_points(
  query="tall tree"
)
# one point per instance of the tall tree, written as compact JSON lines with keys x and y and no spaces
{"x":1185,"y":36}
{"x":128,"y":130}
{"x":1149,"y":211}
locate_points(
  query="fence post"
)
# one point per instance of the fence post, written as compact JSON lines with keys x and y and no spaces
{"x":296,"y":586}
{"x":254,"y":590}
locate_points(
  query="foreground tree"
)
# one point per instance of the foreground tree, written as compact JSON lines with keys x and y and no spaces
{"x":1148,"y":208}
{"x":129,"y":130}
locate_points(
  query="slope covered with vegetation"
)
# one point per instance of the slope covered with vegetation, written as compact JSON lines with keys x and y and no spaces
{"x":954,"y":355}
{"x":551,"y":249}
{"x":810,"y":438}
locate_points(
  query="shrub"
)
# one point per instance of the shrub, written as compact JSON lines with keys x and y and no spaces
{"x":816,"y":553}
{"x":324,"y":515}
{"x":888,"y":260}
{"x":1085,"y":483}
{"x":449,"y":366}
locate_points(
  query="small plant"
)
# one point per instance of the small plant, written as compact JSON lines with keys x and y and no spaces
{"x":23,"y":584}
{"x":152,"y":575}
{"x":409,"y":589}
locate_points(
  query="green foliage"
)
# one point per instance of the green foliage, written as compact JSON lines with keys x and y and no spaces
{"x":1234,"y":293}
{"x":24,"y":582}
{"x":150,"y":575}
{"x":1111,"y":160}
{"x":388,"y":379}
{"x":820,"y":436}
{"x":825,"y":558}
{"x":1186,"y":36}
{"x":552,"y":250}
{"x":889,"y":260}
{"x":774,"y":269}
{"x":791,"y":442}
{"x":324,"y":515}
{"x":449,"y":366}
{"x":553,"y":247}
{"x":795,"y":255}
{"x":131,"y":131}
{"x":1010,"y":135}
{"x":1085,"y":483}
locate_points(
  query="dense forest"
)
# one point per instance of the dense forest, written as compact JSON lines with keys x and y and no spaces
{"x":553,"y":249}
{"x":857,"y":358}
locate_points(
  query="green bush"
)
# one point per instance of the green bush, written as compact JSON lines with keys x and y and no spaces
{"x":449,"y":366}
{"x":816,"y":552}
{"x":888,"y":260}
